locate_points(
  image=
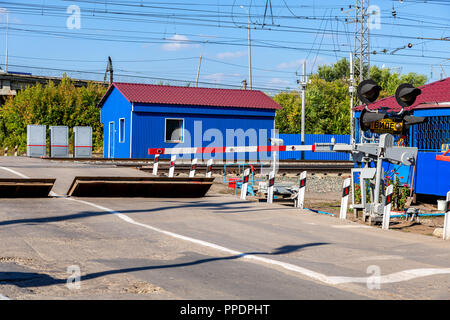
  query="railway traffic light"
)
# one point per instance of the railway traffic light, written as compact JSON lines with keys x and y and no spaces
{"x":382,"y":121}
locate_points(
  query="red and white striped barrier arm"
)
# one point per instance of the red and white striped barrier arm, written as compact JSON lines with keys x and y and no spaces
{"x":387,"y":207}
{"x":344,"y":200}
{"x":202,"y":150}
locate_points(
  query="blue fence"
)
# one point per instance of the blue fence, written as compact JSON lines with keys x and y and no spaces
{"x":295,"y":139}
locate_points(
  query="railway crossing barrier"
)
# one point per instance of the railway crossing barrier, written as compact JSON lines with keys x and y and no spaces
{"x":387,"y":207}
{"x":193,"y":166}
{"x":172,"y":165}
{"x":209,"y":168}
{"x":244,"y":186}
{"x":344,"y":199}
{"x":446,"y":233}
{"x":155,"y":165}
{"x":300,"y":198}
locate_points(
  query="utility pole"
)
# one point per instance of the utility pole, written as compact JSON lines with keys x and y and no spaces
{"x":249,"y":51}
{"x":109,"y":69}
{"x":303,"y":89}
{"x":362,"y":42}
{"x":198,"y":70}
{"x":6,"y":57}
{"x":199,"y":65}
{"x":351,"y":90}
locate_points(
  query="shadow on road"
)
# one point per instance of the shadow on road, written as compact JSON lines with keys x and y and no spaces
{"x":31,"y":279}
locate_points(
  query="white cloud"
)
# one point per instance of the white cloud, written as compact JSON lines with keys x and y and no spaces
{"x":178,"y":42}
{"x":218,"y":77}
{"x":279,"y":82}
{"x":231,"y":55}
{"x":296,"y":64}
{"x":290,"y":65}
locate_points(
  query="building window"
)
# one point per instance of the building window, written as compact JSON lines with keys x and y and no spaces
{"x":121,"y":130}
{"x":174,"y":130}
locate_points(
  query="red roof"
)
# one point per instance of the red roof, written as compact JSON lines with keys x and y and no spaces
{"x":159,"y":94}
{"x":433,"y":94}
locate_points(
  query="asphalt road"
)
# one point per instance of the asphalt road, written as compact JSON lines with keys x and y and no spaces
{"x":216,"y":247}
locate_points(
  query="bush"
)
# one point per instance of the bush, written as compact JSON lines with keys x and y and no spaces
{"x":51,"y":105}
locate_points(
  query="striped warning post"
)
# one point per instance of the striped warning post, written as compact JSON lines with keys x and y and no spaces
{"x":245,"y":184}
{"x":270,"y":188}
{"x":193,"y":166}
{"x":446,"y":233}
{"x":211,"y":150}
{"x":387,"y":207}
{"x":209,"y":164}
{"x":155,"y":165}
{"x":172,"y":165}
{"x":301,"y":190}
{"x":344,"y":200}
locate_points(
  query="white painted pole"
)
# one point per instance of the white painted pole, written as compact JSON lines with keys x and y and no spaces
{"x":446,"y":233}
{"x":172,"y":165}
{"x":344,"y":200}
{"x":387,"y":207}
{"x":209,"y":164}
{"x":301,"y":190}
{"x":270,"y":188}
{"x":245,"y":184}
{"x":193,"y":166}
{"x":155,"y":165}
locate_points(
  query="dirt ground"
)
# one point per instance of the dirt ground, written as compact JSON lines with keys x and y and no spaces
{"x":331,"y":201}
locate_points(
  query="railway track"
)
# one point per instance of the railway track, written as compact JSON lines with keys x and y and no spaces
{"x":285,"y":166}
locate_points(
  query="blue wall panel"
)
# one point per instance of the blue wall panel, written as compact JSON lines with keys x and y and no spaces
{"x":295,"y":139}
{"x":432,"y":176}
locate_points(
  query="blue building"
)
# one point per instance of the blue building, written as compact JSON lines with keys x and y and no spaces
{"x":429,"y":176}
{"x":137,"y":117}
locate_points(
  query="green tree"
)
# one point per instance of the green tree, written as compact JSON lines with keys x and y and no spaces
{"x":62,"y":104}
{"x":327,"y":100}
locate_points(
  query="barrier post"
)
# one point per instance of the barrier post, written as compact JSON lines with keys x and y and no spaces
{"x":344,"y":200}
{"x":155,"y":164}
{"x":6,"y":152}
{"x":301,"y":190}
{"x":16,"y":148}
{"x":209,"y":164}
{"x":172,"y":165}
{"x":244,"y":185}
{"x":193,"y":166}
{"x":387,"y":207}
{"x":446,"y":233}
{"x":270,"y":188}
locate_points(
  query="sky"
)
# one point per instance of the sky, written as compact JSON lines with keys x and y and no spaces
{"x":162,"y":41}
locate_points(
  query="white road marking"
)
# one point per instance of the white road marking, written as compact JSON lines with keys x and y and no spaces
{"x":404,"y":275}
{"x":375,"y":258}
{"x":390,"y":278}
{"x":15,"y":172}
{"x":351,"y":226}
